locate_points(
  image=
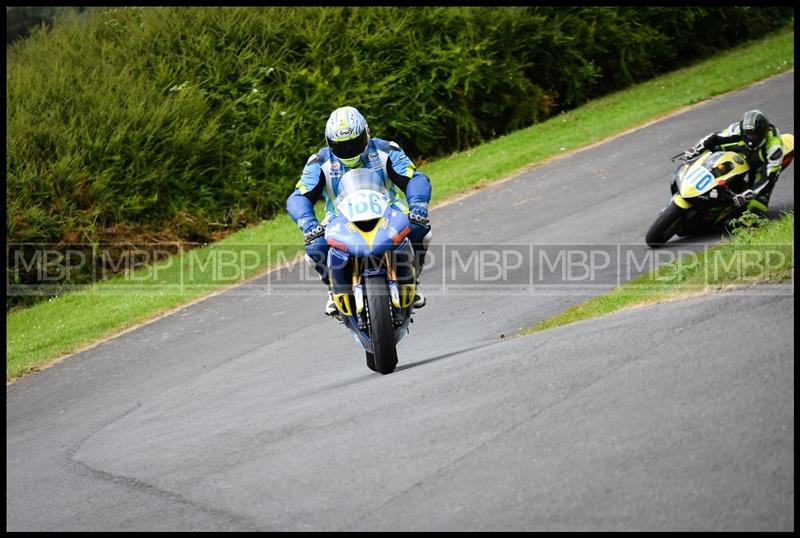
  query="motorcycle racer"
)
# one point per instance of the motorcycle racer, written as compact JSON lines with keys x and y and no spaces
{"x":349,"y":146}
{"x":759,"y":142}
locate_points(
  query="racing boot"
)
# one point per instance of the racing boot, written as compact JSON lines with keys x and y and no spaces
{"x":760,"y":202}
{"x":330,"y":306}
{"x":419,"y":298}
{"x":419,"y":263}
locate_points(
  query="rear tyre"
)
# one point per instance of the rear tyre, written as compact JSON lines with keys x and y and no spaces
{"x":380,"y":324}
{"x":662,"y":229}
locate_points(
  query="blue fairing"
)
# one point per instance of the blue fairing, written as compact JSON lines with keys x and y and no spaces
{"x":390,"y":233}
{"x":345,"y":242}
{"x":340,"y":283}
{"x":369,"y":248}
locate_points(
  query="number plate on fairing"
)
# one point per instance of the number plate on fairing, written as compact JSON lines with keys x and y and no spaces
{"x":363,"y":205}
{"x":700,"y":178}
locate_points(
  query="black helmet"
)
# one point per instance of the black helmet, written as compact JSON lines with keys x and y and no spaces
{"x":754,"y":127}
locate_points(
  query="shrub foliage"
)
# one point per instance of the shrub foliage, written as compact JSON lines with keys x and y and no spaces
{"x":184,"y":123}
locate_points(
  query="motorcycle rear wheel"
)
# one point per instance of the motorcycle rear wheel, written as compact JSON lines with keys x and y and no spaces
{"x":662,"y":229}
{"x":380,"y":324}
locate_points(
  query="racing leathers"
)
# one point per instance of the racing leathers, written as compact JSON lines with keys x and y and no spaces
{"x":409,"y":191}
{"x":765,"y":162}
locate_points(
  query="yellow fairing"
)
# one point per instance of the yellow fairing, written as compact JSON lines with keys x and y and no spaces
{"x":680,"y":202}
{"x":788,"y":142}
{"x":698,"y":179}
{"x":369,"y":237}
{"x":342,"y":303}
{"x":687,"y":191}
{"x":407,"y":294}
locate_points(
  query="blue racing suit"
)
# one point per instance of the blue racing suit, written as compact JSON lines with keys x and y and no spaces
{"x":321,"y":176}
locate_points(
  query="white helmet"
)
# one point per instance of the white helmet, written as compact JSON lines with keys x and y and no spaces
{"x":347,"y":135}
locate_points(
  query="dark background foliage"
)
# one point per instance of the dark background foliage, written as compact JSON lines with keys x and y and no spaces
{"x":186,"y":123}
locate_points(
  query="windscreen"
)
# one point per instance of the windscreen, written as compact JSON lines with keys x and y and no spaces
{"x":362,"y":195}
{"x":361,"y":179}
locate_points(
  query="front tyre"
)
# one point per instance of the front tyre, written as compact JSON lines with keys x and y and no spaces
{"x":663,"y":228}
{"x":380,"y":325}
{"x":371,"y":362}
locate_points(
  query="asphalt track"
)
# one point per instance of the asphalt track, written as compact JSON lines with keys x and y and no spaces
{"x":251,"y":411}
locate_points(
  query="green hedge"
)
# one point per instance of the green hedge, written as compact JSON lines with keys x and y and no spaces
{"x":185,"y":123}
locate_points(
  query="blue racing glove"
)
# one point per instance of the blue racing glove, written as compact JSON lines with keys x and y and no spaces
{"x":418,"y":213}
{"x":312,"y":229}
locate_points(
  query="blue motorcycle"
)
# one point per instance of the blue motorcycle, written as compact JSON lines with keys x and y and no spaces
{"x":371,"y":267}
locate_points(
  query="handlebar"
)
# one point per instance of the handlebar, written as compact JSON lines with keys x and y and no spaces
{"x":688,"y":155}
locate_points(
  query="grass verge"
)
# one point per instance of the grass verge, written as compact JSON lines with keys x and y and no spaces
{"x":759,"y":251}
{"x":45,"y":332}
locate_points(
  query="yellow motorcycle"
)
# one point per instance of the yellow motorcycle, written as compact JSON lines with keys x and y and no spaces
{"x":703,"y":190}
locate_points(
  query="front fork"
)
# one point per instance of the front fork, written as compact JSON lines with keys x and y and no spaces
{"x":348,"y":286}
{"x":401,"y":276}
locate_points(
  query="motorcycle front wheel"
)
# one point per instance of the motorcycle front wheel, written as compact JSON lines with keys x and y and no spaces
{"x":663,"y":228}
{"x":380,"y":325}
{"x":371,"y":362}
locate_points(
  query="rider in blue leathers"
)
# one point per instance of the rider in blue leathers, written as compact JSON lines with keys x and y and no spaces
{"x":351,"y":146}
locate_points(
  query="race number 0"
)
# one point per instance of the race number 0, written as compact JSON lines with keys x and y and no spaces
{"x":701,"y":178}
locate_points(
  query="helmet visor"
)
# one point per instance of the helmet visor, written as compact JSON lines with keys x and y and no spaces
{"x":751,"y":138}
{"x":347,"y":149}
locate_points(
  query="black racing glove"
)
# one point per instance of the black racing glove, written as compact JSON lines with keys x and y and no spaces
{"x":708,"y":143}
{"x":742,"y":199}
